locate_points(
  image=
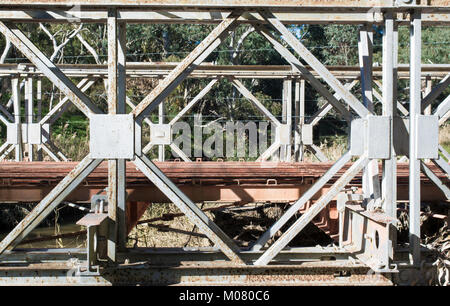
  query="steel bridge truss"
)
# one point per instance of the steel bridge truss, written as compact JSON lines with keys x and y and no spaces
{"x":367,"y":219}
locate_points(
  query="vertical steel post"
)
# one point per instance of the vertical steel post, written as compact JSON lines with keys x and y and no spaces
{"x":285,"y":150}
{"x":39,"y":111}
{"x":389,"y":88}
{"x":39,"y":99}
{"x":17,"y":120}
{"x":302,"y":115}
{"x":370,"y":180}
{"x":29,"y":111}
{"x":284,"y":97}
{"x":414,"y":111}
{"x":296,"y":120}
{"x":288,"y":150}
{"x":428,"y":88}
{"x":112,"y":109}
{"x":161,"y":155}
{"x":121,"y":109}
{"x":299,"y":115}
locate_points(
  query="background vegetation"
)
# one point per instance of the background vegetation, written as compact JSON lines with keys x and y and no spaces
{"x":87,"y":44}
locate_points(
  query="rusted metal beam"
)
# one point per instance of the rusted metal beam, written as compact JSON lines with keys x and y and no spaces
{"x":192,"y":212}
{"x":48,"y":203}
{"x":206,"y":181}
{"x":197,"y":273}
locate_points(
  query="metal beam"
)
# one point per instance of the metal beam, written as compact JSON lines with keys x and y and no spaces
{"x":441,"y":163}
{"x":194,"y":101}
{"x":301,"y":202}
{"x":315,"y":64}
{"x":414,"y":162}
{"x":47,"y":67}
{"x":435,"y":92}
{"x":198,"y":55}
{"x":307,"y":217}
{"x":192,"y":212}
{"x":209,"y":70}
{"x":442,"y":110}
{"x":290,"y":5}
{"x":327,"y":107}
{"x":389,"y":105}
{"x":15,"y":88}
{"x":297,"y":65}
{"x":52,"y":200}
{"x":248,"y":95}
{"x":430,"y":174}
{"x":58,"y":110}
{"x":318,"y":153}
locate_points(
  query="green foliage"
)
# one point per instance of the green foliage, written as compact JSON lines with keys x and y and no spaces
{"x":342,"y":45}
{"x":435,"y":45}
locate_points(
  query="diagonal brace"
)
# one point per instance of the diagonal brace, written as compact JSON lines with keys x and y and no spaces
{"x":176,"y":76}
{"x":298,"y":66}
{"x":435,"y":92}
{"x":51,"y":201}
{"x":192,"y":212}
{"x":248,"y":95}
{"x":48,"y":68}
{"x":194,"y":101}
{"x":58,"y":110}
{"x":435,"y":179}
{"x":315,"y":64}
{"x":301,"y":202}
{"x":327,"y":106}
{"x":312,"y":212}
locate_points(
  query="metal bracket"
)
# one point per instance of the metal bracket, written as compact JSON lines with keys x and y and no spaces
{"x":112,"y":136}
{"x":371,"y":134}
{"x":99,"y":203}
{"x":367,"y":234}
{"x":283,"y":134}
{"x":95,"y":223}
{"x":160,"y":134}
{"x":33,"y":133}
{"x":427,"y":127}
{"x":307,"y":134}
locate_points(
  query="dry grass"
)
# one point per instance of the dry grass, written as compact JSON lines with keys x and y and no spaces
{"x":72,"y":147}
{"x":242,"y":224}
{"x":144,"y":235}
{"x":333,"y":150}
{"x":444,"y":135}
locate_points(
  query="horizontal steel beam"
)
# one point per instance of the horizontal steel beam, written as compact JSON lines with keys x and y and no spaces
{"x":210,"y":17}
{"x":172,"y":255}
{"x":203,"y":4}
{"x":197,"y":273}
{"x":206,"y":181}
{"x":159,"y":69}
